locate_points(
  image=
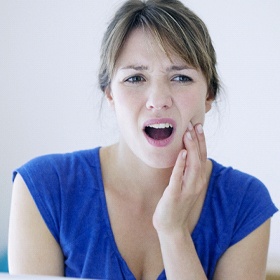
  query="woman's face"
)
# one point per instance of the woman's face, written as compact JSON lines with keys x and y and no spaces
{"x":155,"y":97}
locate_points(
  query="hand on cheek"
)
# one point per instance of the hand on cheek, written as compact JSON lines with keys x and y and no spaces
{"x":195,"y":167}
{"x":194,"y":141}
{"x":187,"y":180}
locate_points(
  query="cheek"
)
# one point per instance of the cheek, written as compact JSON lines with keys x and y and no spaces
{"x":193,"y":108}
{"x":124,"y":96}
{"x":127,"y":108}
{"x":128,"y":103}
{"x":192,"y":102}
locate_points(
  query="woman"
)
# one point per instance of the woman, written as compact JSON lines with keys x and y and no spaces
{"x":151,"y":206}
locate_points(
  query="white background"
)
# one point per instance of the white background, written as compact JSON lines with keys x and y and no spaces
{"x":50,"y":101}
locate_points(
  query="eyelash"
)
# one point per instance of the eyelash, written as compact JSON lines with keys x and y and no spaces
{"x":138,"y":79}
{"x":135,"y":79}
{"x":182,"y":79}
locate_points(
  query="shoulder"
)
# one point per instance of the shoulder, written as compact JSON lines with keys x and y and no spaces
{"x":240,"y":199}
{"x":59,"y":176}
{"x":56,"y":164}
{"x":235,"y":182}
{"x":27,"y":230}
{"x":57,"y":181}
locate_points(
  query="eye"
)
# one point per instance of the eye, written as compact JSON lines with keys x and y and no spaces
{"x":135,"y":79}
{"x":182,"y":79}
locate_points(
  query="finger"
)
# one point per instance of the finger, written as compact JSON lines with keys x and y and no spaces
{"x":176,"y":178}
{"x":201,"y":142}
{"x":198,"y":136}
{"x":193,"y":136}
{"x":191,"y":144}
{"x":193,"y":163}
{"x":195,"y":169}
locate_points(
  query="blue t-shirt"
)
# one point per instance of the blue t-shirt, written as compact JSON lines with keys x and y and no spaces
{"x":69,"y":193}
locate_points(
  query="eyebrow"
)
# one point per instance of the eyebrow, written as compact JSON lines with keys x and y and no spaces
{"x":169,"y":69}
{"x":178,"y":68}
{"x":135,"y":67}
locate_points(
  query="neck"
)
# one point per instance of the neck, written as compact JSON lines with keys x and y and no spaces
{"x":132,"y":173}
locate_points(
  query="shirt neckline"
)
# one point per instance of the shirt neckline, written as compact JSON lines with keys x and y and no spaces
{"x":107,"y":221}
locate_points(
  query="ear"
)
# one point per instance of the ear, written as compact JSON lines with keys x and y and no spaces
{"x":208,"y":104}
{"x":109,"y":97}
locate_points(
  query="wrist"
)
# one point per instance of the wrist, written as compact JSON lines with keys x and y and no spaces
{"x":179,"y":255}
{"x":174,"y":236}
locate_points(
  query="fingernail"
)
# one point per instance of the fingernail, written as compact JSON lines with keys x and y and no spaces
{"x":189,"y":136}
{"x":199,"y":129}
{"x":184,"y":154}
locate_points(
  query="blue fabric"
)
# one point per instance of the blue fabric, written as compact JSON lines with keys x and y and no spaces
{"x":69,"y":194}
{"x":3,"y":261}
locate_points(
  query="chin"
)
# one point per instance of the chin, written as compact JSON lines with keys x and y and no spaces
{"x":160,"y":161}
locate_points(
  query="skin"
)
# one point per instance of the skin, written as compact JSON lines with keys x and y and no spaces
{"x":158,"y":93}
{"x":155,"y":204}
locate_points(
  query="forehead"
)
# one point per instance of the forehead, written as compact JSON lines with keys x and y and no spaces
{"x":142,"y":46}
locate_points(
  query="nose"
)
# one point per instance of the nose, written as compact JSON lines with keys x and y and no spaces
{"x":159,"y":97}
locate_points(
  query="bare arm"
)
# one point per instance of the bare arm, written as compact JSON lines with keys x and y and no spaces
{"x":180,"y":258}
{"x":247,"y":258}
{"x":171,"y":218}
{"x":31,"y":248}
{"x":244,"y":260}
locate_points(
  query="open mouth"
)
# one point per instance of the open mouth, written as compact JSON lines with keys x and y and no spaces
{"x":159,"y":131}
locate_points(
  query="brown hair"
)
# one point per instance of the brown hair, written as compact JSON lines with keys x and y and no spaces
{"x":174,"y":26}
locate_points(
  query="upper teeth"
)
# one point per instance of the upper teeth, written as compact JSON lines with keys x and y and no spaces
{"x":160,"y":125}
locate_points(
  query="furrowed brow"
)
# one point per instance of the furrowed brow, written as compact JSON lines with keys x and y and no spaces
{"x":135,"y":67}
{"x":178,"y":68}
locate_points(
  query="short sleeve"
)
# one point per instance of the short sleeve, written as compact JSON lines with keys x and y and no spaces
{"x":255,"y":208}
{"x":42,"y":180}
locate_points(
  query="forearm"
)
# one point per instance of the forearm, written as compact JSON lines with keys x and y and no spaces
{"x":180,"y":257}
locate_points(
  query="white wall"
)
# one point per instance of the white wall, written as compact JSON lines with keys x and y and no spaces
{"x":49,"y":99}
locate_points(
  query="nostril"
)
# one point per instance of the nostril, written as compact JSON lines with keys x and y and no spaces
{"x":159,"y":104}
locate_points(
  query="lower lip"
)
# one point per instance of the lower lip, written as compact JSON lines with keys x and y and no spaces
{"x":160,"y":143}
